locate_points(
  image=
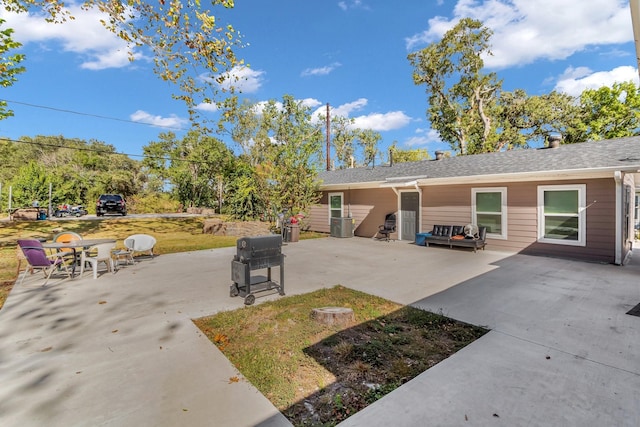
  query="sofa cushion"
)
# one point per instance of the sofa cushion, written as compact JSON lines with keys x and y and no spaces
{"x":457,"y":230}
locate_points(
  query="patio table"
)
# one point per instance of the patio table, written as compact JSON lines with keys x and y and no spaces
{"x":76,"y":245}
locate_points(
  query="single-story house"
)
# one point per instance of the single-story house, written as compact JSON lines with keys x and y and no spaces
{"x":573,"y":200}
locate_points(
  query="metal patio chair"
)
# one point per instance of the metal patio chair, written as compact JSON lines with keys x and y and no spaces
{"x":38,"y":259}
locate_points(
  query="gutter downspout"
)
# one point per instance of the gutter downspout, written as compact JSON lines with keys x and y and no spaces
{"x":617,"y":176}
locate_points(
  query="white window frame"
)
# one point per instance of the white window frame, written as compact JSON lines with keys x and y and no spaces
{"x":329,"y":205}
{"x":503,"y":209}
{"x":581,"y":214}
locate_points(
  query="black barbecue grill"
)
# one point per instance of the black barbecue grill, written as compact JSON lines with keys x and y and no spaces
{"x":256,"y":253}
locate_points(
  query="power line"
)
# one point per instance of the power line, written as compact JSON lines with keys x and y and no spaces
{"x":97,"y":150}
{"x":44,"y":107}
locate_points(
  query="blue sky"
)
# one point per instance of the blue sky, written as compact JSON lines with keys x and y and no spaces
{"x":351,"y":54}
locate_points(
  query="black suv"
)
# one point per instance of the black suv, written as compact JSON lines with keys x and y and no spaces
{"x":111,"y":203}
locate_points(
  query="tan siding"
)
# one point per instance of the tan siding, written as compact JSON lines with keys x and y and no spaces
{"x":319,"y":218}
{"x":600,"y":219}
{"x":446,"y":205}
{"x":452,"y":205}
{"x":367,"y":207}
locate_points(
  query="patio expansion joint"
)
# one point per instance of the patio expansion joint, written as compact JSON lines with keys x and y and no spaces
{"x":568,"y":353}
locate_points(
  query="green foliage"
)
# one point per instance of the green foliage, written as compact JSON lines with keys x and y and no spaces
{"x":9,"y":64}
{"x":342,"y":137}
{"x":31,"y":184}
{"x":241,"y":122}
{"x":609,"y":112}
{"x":368,"y":140}
{"x":410,"y":155}
{"x":78,"y":171}
{"x":194,"y":166}
{"x":283,"y":147}
{"x":190,"y":47}
{"x":244,"y":201}
{"x":351,"y":145}
{"x":460,"y":96}
{"x":152,"y":203}
{"x":470,"y":111}
{"x":291,"y":149}
{"x":524,"y":120}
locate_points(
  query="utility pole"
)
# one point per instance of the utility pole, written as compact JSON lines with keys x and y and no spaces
{"x":634,"y":5}
{"x":328,"y":139}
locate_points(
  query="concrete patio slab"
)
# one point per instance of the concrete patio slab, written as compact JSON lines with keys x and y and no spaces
{"x":122,"y":350}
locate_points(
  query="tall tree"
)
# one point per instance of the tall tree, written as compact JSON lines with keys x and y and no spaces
{"x":461,"y":97}
{"x":193,"y":165}
{"x":609,"y":112}
{"x":289,"y":144}
{"x":30,"y":184}
{"x":343,"y":136}
{"x":241,"y":121}
{"x":525,"y":120}
{"x":368,"y":140}
{"x":281,"y":144}
{"x":244,"y":195}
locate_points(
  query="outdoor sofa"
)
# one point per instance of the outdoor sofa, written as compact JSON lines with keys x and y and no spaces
{"x":454,"y":235}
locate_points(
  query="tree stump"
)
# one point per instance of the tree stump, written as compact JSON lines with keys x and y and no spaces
{"x":333,"y":316}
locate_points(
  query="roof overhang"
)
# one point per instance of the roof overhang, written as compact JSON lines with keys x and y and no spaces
{"x":596,"y":173}
{"x":397,"y":184}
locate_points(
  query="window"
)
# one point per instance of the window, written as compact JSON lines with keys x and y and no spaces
{"x":335,"y":206}
{"x":562,"y":214}
{"x":489,"y":209}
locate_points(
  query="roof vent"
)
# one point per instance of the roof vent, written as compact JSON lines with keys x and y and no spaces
{"x":439,"y":155}
{"x":554,"y":141}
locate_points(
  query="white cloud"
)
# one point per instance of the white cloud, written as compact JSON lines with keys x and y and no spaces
{"x":352,"y":4}
{"x":345,"y":109}
{"x":109,"y":59}
{"x":321,"y":71}
{"x":83,"y":35}
{"x":375,"y":121}
{"x":207,"y":106}
{"x":423,"y":138}
{"x":383,"y":121}
{"x":310,"y":102}
{"x":243,"y":79}
{"x":172,"y":121}
{"x":575,"y":80}
{"x":525,"y":30}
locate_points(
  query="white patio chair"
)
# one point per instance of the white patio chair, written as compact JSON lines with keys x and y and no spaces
{"x":140,"y":243}
{"x":125,"y":254}
{"x":103,"y":255}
